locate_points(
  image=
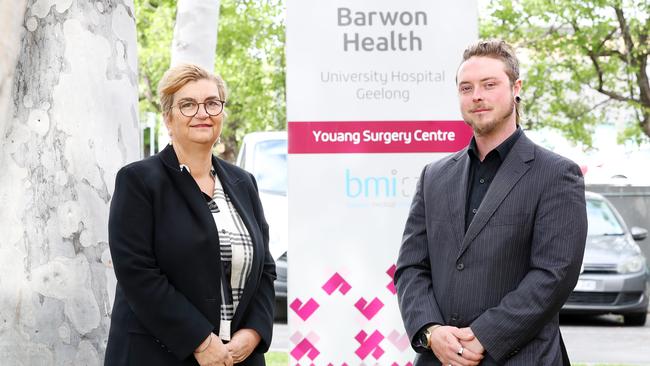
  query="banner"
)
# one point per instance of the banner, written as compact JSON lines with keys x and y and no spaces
{"x":371,"y":99}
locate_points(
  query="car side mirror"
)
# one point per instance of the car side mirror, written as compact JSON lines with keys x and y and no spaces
{"x":639,"y":233}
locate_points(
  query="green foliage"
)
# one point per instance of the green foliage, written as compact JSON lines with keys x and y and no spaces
{"x":154,"y":21}
{"x":249,"y":56}
{"x":583,"y":62}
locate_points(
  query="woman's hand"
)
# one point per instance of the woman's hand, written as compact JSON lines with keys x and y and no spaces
{"x":242,"y":344}
{"x":212,"y":352}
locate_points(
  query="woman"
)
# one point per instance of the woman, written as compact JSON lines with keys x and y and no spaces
{"x":189,"y":244}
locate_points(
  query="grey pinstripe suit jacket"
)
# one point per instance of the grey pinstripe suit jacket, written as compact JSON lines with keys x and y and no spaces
{"x":509,"y":274}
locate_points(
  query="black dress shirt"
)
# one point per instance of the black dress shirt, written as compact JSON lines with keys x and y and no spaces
{"x":481,"y":173}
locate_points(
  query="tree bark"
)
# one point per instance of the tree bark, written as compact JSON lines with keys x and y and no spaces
{"x":195,"y":33}
{"x":11,"y":16}
{"x":73,"y":124}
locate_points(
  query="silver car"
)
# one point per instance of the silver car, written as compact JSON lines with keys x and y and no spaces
{"x":614,"y":272}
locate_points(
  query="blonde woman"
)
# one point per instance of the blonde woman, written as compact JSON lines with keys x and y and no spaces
{"x":189,"y":244}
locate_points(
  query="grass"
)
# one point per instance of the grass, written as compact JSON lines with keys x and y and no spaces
{"x":276,"y":358}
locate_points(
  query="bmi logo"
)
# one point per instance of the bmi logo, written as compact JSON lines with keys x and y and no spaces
{"x":387,"y":186}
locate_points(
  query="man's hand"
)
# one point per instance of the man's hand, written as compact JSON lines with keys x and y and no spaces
{"x":242,"y":344}
{"x":212,"y":352}
{"x":446,"y":342}
{"x":474,"y":345}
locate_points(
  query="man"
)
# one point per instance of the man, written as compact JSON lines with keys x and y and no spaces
{"x":495,"y":236}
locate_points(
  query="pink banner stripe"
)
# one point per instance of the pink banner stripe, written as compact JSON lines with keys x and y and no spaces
{"x":369,"y":344}
{"x":305,"y":347}
{"x":357,"y":137}
{"x":304,"y":311}
{"x":336,"y":282}
{"x":369,"y":310}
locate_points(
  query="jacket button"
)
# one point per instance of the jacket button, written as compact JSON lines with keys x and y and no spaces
{"x":460,"y":266}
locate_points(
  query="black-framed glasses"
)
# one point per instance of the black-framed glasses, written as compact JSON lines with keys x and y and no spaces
{"x":190,"y":108}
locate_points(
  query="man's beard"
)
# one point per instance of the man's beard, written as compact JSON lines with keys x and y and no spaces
{"x":489,"y":126}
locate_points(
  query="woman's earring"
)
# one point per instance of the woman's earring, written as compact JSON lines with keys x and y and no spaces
{"x":219,"y":140}
{"x":517,"y":99}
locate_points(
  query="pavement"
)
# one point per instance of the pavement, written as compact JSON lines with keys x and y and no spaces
{"x":604,"y":339}
{"x":589,"y":340}
{"x":280,"y":341}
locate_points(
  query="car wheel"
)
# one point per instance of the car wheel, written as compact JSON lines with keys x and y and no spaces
{"x":637,"y":319}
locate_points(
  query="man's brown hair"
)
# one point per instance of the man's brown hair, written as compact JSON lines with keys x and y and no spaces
{"x":500,"y":50}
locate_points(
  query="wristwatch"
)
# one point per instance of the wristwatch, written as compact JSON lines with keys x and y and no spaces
{"x":424,"y":338}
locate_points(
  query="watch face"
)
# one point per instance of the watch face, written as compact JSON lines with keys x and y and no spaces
{"x":422,"y":340}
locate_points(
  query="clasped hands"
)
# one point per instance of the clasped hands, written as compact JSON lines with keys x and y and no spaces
{"x":456,"y":346}
{"x":213,"y":352}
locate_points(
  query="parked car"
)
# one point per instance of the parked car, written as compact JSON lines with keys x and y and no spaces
{"x":264,"y":154}
{"x":614,"y":273}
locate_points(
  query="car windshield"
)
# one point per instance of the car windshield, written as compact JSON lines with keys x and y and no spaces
{"x":602,"y":220}
{"x":271,"y":166}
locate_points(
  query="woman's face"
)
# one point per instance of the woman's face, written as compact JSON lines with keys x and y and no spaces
{"x":201,"y":129}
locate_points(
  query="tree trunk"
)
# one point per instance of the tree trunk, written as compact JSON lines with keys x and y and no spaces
{"x":73,"y":124}
{"x":195,"y":33}
{"x":11,"y":28}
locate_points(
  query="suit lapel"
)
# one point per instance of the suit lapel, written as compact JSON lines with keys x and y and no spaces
{"x":511,"y":170}
{"x":188,"y":188}
{"x":458,"y":193}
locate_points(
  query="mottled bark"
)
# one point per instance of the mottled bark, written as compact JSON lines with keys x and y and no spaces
{"x":73,"y":125}
{"x":195,"y":32}
{"x":11,"y":28}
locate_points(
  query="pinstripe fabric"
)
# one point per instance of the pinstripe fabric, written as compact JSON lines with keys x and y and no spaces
{"x":509,"y":274}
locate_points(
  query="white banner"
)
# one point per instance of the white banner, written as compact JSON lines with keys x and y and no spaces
{"x":370,"y":100}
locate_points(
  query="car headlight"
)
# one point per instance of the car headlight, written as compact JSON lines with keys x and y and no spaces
{"x":631,"y":264}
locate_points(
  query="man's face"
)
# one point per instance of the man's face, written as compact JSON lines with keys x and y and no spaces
{"x":485,"y":94}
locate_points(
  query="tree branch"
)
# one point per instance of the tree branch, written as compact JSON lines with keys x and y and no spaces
{"x":640,"y":63}
{"x":625,"y":33}
{"x":601,"y":88}
{"x":148,"y":92}
{"x":597,"y":105}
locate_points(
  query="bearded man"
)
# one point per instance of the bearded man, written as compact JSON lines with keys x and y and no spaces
{"x":495,"y":236}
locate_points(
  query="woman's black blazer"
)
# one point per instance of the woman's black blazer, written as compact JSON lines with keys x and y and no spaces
{"x":165,"y":250}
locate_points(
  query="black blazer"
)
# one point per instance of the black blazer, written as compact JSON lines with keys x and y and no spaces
{"x":165,"y":250}
{"x":509,"y":274}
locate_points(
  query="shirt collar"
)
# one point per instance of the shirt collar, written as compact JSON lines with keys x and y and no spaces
{"x":502,"y":150}
{"x":213,"y":172}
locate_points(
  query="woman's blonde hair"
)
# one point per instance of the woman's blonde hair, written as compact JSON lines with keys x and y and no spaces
{"x":178,"y":76}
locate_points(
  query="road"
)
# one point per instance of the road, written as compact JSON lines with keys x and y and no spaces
{"x":589,"y":340}
{"x":604,"y":339}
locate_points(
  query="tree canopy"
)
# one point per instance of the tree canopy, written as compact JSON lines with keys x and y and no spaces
{"x":585,"y":62}
{"x":249,"y":56}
